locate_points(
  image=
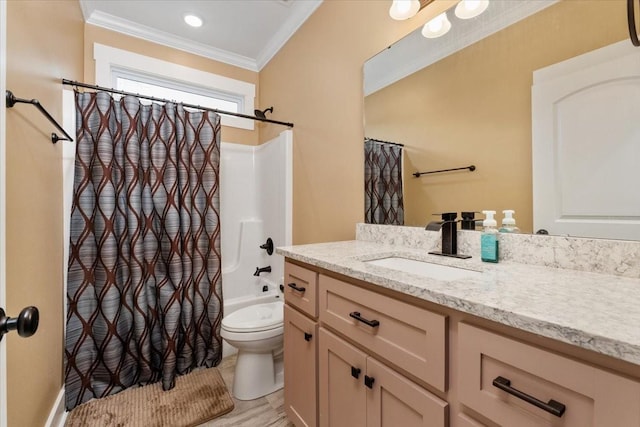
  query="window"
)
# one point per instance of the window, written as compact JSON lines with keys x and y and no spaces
{"x":141,"y":74}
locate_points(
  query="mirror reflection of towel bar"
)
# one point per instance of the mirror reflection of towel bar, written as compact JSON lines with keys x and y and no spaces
{"x":471,"y":169}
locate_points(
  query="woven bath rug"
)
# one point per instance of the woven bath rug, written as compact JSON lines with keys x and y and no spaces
{"x":197,"y":397}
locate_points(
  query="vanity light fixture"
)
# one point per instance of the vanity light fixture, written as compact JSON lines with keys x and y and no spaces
{"x":404,"y":9}
{"x":193,"y":20}
{"x":438,"y":26}
{"x":468,"y":9}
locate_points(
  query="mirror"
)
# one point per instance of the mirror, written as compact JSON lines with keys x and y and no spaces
{"x":465,"y":99}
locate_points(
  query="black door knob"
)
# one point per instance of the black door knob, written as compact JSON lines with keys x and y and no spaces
{"x":26,"y":323}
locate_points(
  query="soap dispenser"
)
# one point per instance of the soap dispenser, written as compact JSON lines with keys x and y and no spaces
{"x":509,"y":222}
{"x":489,"y":238}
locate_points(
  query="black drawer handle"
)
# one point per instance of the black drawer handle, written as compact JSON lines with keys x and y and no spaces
{"x":372,"y":323}
{"x":295,"y":288}
{"x":368,"y":381}
{"x":355,"y":372}
{"x":553,"y":407}
{"x":307,"y":336}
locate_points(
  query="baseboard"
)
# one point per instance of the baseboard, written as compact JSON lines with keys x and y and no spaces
{"x":58,"y":415}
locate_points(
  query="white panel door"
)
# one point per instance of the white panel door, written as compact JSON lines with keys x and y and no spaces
{"x":586,"y":144}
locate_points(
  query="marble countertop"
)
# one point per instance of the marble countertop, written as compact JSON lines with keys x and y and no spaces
{"x":598,"y":312}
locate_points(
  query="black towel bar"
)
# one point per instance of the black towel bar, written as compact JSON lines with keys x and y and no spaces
{"x":471,"y":169}
{"x":12,"y":100}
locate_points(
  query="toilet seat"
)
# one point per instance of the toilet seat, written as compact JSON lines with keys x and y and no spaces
{"x":255,"y":318}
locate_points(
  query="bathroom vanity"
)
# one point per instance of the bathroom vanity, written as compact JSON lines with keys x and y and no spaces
{"x":527,"y":343}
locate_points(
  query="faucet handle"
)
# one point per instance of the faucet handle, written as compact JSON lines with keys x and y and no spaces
{"x":447,"y":216}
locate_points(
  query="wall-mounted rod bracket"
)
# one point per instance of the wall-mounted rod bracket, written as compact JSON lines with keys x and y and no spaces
{"x":12,"y":100}
{"x":470,"y":168}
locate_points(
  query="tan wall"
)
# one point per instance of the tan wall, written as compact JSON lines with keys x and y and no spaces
{"x":44,"y":44}
{"x":474,"y":107}
{"x":315,"y":81}
{"x":93,"y":34}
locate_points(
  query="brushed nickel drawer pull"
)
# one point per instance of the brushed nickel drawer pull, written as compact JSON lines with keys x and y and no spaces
{"x":553,"y":407}
{"x":295,"y":288}
{"x":356,"y":315}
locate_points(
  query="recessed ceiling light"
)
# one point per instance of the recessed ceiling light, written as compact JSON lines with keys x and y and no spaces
{"x":193,"y":20}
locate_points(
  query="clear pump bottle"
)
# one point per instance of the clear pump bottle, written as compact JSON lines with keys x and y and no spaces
{"x":509,"y":222}
{"x":489,"y":238}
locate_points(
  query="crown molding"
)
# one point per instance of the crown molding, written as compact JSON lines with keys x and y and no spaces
{"x":133,"y":29}
{"x":301,"y":11}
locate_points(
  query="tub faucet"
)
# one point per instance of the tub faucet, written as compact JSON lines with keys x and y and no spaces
{"x":266,"y":269}
{"x":449,"y":236}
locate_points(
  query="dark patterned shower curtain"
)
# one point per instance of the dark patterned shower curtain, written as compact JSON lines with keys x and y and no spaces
{"x":383,"y":201}
{"x":144,"y":289}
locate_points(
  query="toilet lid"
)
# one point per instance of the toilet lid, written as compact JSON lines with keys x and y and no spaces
{"x":254,"y":318}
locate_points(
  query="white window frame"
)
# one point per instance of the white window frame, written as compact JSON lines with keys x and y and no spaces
{"x":112,"y":63}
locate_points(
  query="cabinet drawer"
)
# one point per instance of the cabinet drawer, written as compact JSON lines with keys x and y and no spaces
{"x":301,"y":288}
{"x":533,"y":376}
{"x":412,"y":338}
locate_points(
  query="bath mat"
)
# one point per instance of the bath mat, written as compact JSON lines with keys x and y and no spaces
{"x":196,"y":398}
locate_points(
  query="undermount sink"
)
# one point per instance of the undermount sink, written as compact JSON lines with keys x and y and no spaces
{"x":426,"y":269}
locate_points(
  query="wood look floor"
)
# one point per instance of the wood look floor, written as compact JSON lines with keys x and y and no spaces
{"x":267,"y":411}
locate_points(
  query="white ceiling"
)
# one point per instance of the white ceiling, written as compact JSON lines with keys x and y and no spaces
{"x":244,"y":33}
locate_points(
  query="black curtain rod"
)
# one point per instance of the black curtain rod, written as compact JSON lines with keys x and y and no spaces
{"x":471,"y":169}
{"x":384,"y":142}
{"x":152,"y":98}
{"x":12,"y":100}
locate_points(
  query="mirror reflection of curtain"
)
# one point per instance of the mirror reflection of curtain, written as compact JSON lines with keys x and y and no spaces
{"x":383,"y":183}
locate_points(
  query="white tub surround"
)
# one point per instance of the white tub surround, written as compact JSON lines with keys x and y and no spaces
{"x":255,"y":204}
{"x":538,"y":294}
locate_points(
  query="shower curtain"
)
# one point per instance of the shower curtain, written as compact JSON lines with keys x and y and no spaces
{"x":144,"y":289}
{"x":383,"y":202}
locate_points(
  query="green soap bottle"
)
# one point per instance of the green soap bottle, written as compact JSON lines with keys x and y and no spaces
{"x":489,"y":238}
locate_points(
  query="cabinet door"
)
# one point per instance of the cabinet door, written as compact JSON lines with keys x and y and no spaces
{"x":300,"y":375}
{"x":342,"y":395}
{"x":394,"y":401}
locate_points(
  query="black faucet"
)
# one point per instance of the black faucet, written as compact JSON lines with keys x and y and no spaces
{"x":449,"y":237}
{"x":468,"y":220}
{"x":266,"y":269}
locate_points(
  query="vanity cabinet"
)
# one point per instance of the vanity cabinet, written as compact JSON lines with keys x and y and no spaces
{"x":516,"y":384}
{"x":378,"y":357}
{"x":356,"y":390}
{"x":301,"y":345}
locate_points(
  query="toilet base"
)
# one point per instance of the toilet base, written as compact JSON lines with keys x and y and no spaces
{"x":257,"y":374}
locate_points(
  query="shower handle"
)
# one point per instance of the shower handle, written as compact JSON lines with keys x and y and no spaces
{"x":268,"y":246}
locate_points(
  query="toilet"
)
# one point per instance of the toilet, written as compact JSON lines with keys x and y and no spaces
{"x":257,"y":332}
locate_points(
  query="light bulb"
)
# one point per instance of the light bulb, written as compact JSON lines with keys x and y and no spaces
{"x":468,"y":9}
{"x":404,"y":9}
{"x":437,"y":27}
{"x":193,"y":20}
